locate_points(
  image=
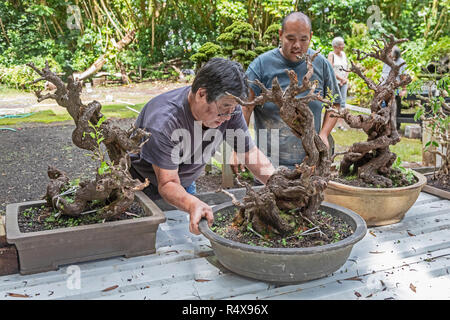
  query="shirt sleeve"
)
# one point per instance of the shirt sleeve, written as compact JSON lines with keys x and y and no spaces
{"x":161,"y":151}
{"x":254,"y":73}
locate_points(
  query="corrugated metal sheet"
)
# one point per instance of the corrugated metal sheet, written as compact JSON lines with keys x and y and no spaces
{"x":407,"y":260}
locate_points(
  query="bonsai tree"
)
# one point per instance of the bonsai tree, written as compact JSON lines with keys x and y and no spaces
{"x":113,"y":185}
{"x":437,"y":118}
{"x":207,"y":51}
{"x":270,"y":39}
{"x":297,"y":192}
{"x":371,"y":161}
{"x":238,"y":42}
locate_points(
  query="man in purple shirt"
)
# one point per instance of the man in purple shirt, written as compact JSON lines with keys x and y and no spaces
{"x":187,"y":125}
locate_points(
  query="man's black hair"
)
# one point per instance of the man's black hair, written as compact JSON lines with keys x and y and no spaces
{"x":219,"y":76}
{"x":297,"y":15}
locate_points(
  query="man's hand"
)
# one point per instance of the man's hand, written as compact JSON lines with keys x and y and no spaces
{"x":197,"y":211}
{"x":234,"y":163}
{"x":403,"y":93}
{"x":325,"y":140}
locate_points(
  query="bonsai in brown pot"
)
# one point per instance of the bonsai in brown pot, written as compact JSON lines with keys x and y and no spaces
{"x":108,"y":197}
{"x":370,"y":180}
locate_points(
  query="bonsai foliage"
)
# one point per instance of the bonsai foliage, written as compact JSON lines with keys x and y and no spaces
{"x":437,"y":118}
{"x":207,"y":51}
{"x":298,"y":191}
{"x":113,"y":184}
{"x":270,"y":39}
{"x":238,"y":42}
{"x":372,"y":160}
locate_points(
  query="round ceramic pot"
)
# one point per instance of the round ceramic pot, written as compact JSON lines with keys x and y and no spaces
{"x":378,"y":206}
{"x":285,"y":265}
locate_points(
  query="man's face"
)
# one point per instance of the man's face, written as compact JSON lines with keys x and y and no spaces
{"x":215,"y":113}
{"x":295,"y":39}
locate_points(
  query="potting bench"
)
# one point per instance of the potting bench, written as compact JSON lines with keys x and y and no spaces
{"x":407,"y":260}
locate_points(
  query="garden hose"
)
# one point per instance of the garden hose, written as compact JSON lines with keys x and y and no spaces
{"x":9,"y":116}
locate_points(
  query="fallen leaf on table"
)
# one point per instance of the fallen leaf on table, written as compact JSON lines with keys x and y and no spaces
{"x":372,"y":233}
{"x":412,"y":287}
{"x":376,"y":252}
{"x":411,"y":234}
{"x":202,"y":280}
{"x":16,"y":295}
{"x":354,"y":279}
{"x":110,"y":288}
{"x":357,"y":294}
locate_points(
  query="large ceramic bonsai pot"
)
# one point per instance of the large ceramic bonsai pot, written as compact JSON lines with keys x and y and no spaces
{"x":285,"y":265}
{"x":378,"y":206}
{"x":47,"y":250}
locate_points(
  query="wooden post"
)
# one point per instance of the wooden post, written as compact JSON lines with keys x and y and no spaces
{"x":9,"y":262}
{"x":3,"y":242}
{"x":428,"y":159}
{"x":227,"y":173}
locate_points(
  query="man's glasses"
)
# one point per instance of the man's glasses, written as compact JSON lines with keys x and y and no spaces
{"x":219,"y":114}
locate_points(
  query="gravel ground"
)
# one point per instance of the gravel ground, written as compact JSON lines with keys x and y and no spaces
{"x":26,"y":153}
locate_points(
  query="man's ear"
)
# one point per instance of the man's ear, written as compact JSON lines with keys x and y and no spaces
{"x":202,"y":92}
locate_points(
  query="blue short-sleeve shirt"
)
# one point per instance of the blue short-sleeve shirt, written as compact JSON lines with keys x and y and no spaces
{"x":265,"y":68}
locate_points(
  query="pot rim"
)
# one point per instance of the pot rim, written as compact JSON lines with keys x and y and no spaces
{"x":14,"y":233}
{"x":358,"y":234}
{"x":422,"y":181}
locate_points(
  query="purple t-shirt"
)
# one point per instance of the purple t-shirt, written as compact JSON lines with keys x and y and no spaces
{"x":180,"y":142}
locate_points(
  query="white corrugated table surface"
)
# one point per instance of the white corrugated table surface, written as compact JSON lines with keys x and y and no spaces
{"x":407,"y":260}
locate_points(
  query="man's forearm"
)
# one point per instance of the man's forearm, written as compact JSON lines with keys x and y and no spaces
{"x":258,"y":164}
{"x":174,"y":194}
{"x":328,"y":122}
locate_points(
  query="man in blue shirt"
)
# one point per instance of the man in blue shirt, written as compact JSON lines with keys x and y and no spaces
{"x":283,"y":147}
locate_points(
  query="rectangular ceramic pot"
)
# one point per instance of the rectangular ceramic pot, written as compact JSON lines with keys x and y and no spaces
{"x":435,"y":191}
{"x":47,"y":250}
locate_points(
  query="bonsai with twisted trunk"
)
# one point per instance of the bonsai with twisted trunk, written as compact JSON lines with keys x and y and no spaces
{"x":113,"y":184}
{"x":372,"y":160}
{"x":298,"y":191}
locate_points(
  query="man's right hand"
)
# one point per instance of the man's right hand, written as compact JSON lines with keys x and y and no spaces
{"x":235,"y":165}
{"x":198,"y":211}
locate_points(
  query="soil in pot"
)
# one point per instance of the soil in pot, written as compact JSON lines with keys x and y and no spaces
{"x":432,"y":181}
{"x":398,"y":180}
{"x":32,"y":219}
{"x":321,"y":229}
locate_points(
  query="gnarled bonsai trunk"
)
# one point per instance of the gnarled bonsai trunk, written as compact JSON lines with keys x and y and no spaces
{"x":298,"y":191}
{"x":372,"y":159}
{"x":114,"y":186}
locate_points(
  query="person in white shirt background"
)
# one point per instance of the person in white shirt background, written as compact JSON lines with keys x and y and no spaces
{"x":338,"y":60}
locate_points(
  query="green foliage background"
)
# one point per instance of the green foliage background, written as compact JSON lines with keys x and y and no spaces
{"x":193,"y":31}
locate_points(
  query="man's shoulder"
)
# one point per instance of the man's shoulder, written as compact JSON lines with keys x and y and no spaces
{"x":268,"y":55}
{"x":162,"y":111}
{"x":320,"y":57}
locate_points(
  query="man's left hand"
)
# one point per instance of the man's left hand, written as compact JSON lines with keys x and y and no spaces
{"x":325,"y":140}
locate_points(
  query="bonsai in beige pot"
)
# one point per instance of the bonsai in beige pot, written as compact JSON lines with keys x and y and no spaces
{"x":370,"y":180}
